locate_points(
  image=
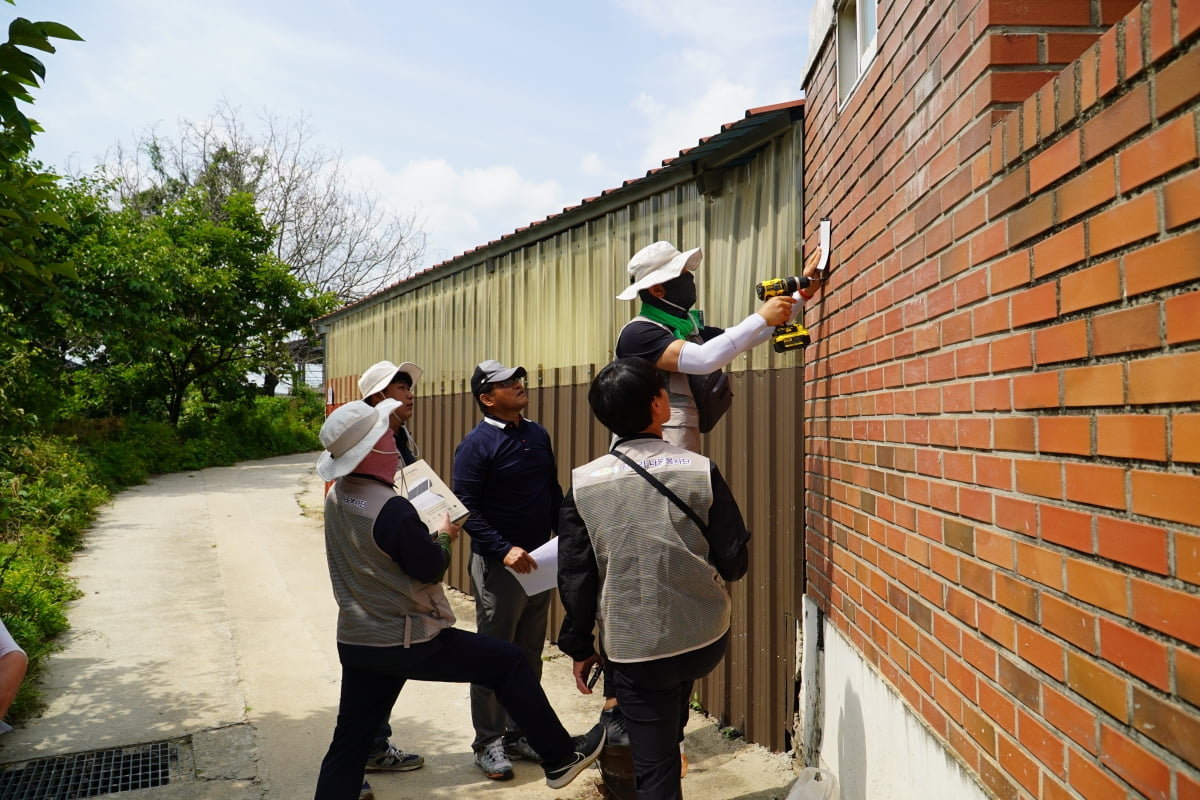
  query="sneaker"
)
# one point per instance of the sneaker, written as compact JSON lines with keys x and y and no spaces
{"x":521,"y":750}
{"x":365,"y":792}
{"x":493,"y":762}
{"x":587,"y":749}
{"x":393,"y":759}
{"x":614,"y":724}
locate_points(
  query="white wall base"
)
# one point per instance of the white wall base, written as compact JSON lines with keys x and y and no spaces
{"x":869,"y":739}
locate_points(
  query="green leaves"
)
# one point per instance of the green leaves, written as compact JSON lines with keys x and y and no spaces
{"x":199,"y":300}
{"x":25,"y":191}
{"x":19,"y":69}
{"x":55,"y":30}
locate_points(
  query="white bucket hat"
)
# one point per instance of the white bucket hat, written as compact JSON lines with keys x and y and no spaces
{"x":380,"y":374}
{"x":658,"y":263}
{"x":349,"y":433}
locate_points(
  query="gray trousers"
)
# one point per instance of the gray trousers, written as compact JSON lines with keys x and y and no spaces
{"x":504,"y":611}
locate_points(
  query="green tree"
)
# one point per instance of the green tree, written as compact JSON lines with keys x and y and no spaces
{"x":186,"y":299}
{"x":331,"y":233}
{"x":28,"y":215}
{"x":36,"y":342}
{"x":25,"y":192}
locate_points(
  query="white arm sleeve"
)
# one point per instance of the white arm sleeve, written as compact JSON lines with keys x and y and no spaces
{"x":701,"y":359}
{"x":798,"y":308}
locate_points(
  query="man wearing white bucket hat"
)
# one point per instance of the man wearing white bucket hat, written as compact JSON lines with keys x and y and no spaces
{"x":394,"y":621}
{"x":381,"y":381}
{"x":668,"y":333}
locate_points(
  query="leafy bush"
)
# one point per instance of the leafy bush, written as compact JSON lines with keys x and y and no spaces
{"x":48,"y":500}
{"x":260,"y":428}
{"x":34,"y":591}
{"x":49,"y":490}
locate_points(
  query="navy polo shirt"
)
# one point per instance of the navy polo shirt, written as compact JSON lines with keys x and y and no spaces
{"x":506,"y":476}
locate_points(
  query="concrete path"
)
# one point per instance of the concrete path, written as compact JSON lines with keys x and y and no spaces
{"x":206,"y":612}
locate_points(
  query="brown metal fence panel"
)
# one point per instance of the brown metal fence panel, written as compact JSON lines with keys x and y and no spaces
{"x":759,"y":450}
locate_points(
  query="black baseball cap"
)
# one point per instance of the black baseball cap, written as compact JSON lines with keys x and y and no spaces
{"x":492,"y":371}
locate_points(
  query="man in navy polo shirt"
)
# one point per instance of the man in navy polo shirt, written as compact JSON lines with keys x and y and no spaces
{"x":506,"y":476}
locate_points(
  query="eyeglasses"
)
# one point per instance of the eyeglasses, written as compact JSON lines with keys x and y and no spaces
{"x":506,"y":384}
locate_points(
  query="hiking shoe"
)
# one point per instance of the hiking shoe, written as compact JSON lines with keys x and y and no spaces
{"x":614,"y":725}
{"x":521,"y":750}
{"x":365,"y":792}
{"x":587,"y":749}
{"x":493,"y":762}
{"x":393,"y":759}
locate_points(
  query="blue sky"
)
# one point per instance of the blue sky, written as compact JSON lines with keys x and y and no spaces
{"x":478,"y":117}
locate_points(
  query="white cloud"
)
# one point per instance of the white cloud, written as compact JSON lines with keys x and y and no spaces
{"x":459,"y":209}
{"x":592,"y":164}
{"x":716,"y":25}
{"x":670,"y":129}
{"x":718,"y":68}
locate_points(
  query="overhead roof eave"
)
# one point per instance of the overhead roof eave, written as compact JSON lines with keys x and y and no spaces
{"x":735,"y":143}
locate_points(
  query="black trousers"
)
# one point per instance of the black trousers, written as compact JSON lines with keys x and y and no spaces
{"x":372,"y":677}
{"x":654,"y":697}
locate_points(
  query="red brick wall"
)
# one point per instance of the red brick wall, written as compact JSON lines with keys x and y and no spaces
{"x":1003,"y":394}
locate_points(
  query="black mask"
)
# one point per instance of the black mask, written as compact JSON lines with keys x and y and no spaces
{"x":681,"y":291}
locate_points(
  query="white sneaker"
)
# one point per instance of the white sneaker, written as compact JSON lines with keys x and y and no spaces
{"x":493,"y":762}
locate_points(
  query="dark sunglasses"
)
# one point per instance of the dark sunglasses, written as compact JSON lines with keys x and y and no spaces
{"x":507,"y":384}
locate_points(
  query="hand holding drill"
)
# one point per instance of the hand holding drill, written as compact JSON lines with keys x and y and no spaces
{"x":791,"y":336}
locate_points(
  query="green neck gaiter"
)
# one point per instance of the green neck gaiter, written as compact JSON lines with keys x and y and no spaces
{"x":682,"y":327}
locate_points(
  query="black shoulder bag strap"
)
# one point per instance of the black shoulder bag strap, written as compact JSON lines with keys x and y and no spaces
{"x":657,"y":484}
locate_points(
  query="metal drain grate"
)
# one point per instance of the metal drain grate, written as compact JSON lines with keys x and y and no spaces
{"x":98,"y":772}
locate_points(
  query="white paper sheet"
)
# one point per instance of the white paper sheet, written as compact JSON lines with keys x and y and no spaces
{"x":545,"y":577}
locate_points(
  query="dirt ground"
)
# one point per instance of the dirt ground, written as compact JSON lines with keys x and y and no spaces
{"x":719,"y":767}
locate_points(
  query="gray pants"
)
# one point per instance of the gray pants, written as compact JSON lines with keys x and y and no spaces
{"x":504,"y":611}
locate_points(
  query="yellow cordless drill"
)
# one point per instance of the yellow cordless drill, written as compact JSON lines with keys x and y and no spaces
{"x":791,"y":336}
{"x":795,"y":336}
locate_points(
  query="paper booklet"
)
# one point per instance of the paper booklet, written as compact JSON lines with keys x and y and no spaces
{"x":429,"y":495}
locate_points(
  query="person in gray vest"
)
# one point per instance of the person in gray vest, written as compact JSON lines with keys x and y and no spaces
{"x":668,"y":333}
{"x":648,"y":567}
{"x":381,"y":381}
{"x":394,"y":621}
{"x":13,"y":664}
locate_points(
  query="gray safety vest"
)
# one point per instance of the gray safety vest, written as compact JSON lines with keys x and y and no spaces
{"x":659,"y":595}
{"x":378,"y":603}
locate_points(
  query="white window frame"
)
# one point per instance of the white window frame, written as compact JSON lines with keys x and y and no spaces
{"x":856,"y":36}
